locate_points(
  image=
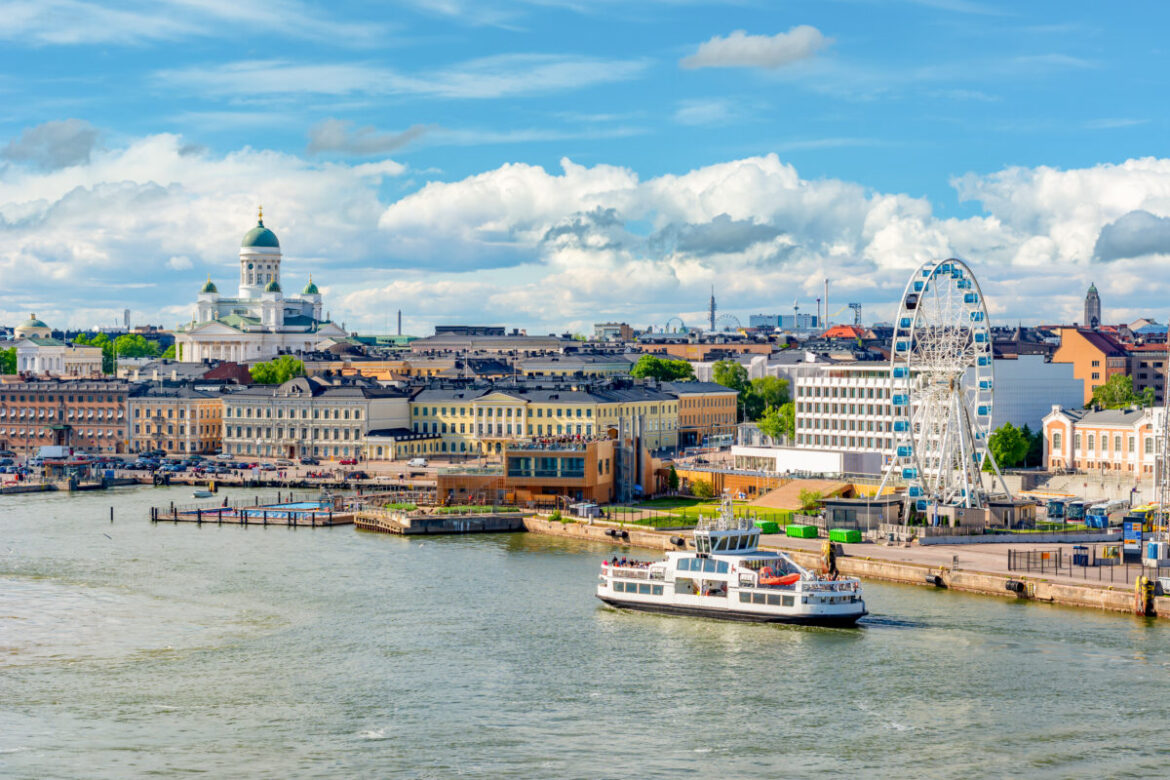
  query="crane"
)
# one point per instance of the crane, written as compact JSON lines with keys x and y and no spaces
{"x":856,"y":312}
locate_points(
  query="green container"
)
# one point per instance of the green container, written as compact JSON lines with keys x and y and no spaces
{"x":801,"y":531}
{"x":847,"y":535}
{"x":767,"y":527}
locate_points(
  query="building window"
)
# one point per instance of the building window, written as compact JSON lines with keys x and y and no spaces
{"x":1056,"y":440}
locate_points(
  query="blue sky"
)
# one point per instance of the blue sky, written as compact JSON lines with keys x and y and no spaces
{"x":548,"y":164}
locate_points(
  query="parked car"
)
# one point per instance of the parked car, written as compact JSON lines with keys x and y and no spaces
{"x":348,"y":461}
{"x":310,"y":462}
{"x":357,"y":475}
{"x":284,"y":462}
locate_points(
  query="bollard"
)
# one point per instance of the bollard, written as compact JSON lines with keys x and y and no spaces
{"x":111,"y":514}
{"x":198,"y":516}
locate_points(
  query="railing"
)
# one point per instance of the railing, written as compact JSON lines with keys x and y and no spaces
{"x":626,"y":572}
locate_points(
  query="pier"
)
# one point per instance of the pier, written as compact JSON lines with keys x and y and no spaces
{"x":411,"y":524}
{"x":314,"y":513}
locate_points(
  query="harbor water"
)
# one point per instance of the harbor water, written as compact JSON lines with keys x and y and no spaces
{"x":131,"y":649}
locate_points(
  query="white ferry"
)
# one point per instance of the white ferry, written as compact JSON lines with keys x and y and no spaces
{"x":727,"y":577}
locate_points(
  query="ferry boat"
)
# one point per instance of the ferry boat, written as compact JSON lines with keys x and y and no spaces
{"x":726,"y":576}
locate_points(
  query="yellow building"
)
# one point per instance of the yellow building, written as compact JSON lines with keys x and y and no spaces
{"x":177,"y":419}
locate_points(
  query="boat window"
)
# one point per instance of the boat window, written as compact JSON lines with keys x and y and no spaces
{"x":745,"y":597}
{"x":758,"y":598}
{"x":619,"y":586}
{"x":721,"y":567}
{"x":685,"y":586}
{"x":709,"y":565}
{"x":773,"y":600}
{"x":644,"y":587}
{"x":657,"y":590}
{"x":715,"y":588}
{"x":786,"y":601}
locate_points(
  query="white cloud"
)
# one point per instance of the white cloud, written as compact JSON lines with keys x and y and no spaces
{"x":336,"y":135}
{"x":488,"y":77}
{"x":740,"y":50}
{"x":76,"y":22}
{"x":141,"y":226}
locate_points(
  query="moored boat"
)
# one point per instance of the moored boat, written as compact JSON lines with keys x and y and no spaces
{"x":728,"y":577}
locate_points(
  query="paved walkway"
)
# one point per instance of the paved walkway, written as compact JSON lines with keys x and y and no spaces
{"x":992,"y":558}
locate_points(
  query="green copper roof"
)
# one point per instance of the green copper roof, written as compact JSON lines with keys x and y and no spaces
{"x":310,"y":288}
{"x":209,"y":287}
{"x":33,"y":322}
{"x":260,"y":236}
{"x":272,"y":287}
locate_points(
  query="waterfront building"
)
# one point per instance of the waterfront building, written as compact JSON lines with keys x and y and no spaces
{"x":1112,"y":441}
{"x":180,"y":419}
{"x":399,"y":444}
{"x":707,"y":412}
{"x":612,"y":331}
{"x":1096,"y":356}
{"x":480,"y":420}
{"x":260,"y":321}
{"x":310,"y":416}
{"x":545,"y":473}
{"x":86,"y":414}
{"x":39,"y":354}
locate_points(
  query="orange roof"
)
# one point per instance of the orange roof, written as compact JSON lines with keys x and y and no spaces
{"x":843,"y":332}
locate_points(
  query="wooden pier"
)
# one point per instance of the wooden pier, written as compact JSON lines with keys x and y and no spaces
{"x":254,"y":513}
{"x":405,"y":524}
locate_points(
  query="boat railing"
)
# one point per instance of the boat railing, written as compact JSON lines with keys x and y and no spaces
{"x":637,"y":573}
{"x":830,"y":585}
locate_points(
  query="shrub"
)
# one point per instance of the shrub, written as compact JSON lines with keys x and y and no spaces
{"x":556,"y":516}
{"x":701,"y":488}
{"x":810,"y":500}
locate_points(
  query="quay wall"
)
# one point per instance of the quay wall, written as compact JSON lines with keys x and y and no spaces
{"x":1093,"y":596}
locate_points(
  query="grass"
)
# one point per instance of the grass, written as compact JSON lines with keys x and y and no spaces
{"x":1047,"y":528}
{"x":669,"y":502}
{"x":687,"y":514}
{"x":402,"y":506}
{"x":474,"y":509}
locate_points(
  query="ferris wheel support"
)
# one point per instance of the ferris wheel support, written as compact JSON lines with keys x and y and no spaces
{"x":942,"y":389}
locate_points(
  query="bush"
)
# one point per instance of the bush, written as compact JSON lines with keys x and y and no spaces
{"x":701,"y":488}
{"x":402,"y":506}
{"x":810,"y":500}
{"x":556,"y":516}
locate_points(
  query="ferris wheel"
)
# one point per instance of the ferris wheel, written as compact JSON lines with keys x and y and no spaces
{"x":942,"y":384}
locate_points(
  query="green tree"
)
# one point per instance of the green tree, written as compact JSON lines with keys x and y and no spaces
{"x":730,"y":373}
{"x":701,"y":488}
{"x":135,"y":345}
{"x":1008,"y":446}
{"x":654,"y":367}
{"x":169,"y":354}
{"x":810,"y":500}
{"x":788,"y":419}
{"x":277,"y":371}
{"x":8,"y":360}
{"x":1118,"y":393}
{"x":1035,"y":454}
{"x":769,"y":424}
{"x":773,"y":391}
{"x":672,"y":479}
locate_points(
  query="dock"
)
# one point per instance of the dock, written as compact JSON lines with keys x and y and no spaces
{"x":411,"y":524}
{"x":320,"y":513}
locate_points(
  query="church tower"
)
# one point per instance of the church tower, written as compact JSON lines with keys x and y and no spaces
{"x":259,"y":260}
{"x":1092,"y":308}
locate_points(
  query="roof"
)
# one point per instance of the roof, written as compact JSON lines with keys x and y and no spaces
{"x":400,"y":434}
{"x":843,"y":332}
{"x":310,"y":288}
{"x":260,"y":236}
{"x":696,"y":388}
{"x":1117,"y":417}
{"x":1102,"y":342}
{"x":209,"y":287}
{"x":48,"y":341}
{"x":316,"y":387}
{"x":273,"y":286}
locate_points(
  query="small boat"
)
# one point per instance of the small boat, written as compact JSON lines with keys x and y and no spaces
{"x":203,"y":494}
{"x":726,"y":576}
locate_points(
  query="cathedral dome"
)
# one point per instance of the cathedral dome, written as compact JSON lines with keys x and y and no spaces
{"x":260,"y":236}
{"x":272,"y":286}
{"x":310,"y":288}
{"x":32,"y":327}
{"x":209,"y":287}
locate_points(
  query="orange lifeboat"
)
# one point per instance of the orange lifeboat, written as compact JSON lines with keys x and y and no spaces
{"x":768,"y":577}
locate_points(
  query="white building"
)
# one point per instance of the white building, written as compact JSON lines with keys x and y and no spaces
{"x":847,"y":406}
{"x":260,"y":321}
{"x":38,"y":353}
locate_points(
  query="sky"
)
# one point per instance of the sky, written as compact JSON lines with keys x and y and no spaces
{"x":548,"y":164}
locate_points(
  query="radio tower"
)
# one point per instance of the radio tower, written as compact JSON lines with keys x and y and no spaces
{"x":711,"y":309}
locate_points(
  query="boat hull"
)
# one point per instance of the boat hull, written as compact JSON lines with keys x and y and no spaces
{"x":831,"y":621}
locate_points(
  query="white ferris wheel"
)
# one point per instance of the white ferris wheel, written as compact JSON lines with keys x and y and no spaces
{"x":942,"y":385}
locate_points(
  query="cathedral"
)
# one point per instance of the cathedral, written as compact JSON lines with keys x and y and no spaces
{"x":260,"y":321}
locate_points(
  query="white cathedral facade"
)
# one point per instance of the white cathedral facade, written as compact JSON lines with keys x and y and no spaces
{"x":260,"y":321}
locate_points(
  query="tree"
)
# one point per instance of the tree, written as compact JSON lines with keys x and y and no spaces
{"x":1008,"y":446}
{"x":277,"y":371}
{"x":672,"y":479}
{"x":773,"y":391}
{"x":769,"y":424}
{"x":788,"y":419}
{"x":8,"y":360}
{"x":701,"y":488}
{"x":1035,"y":454}
{"x":810,"y":500}
{"x":1118,"y":393}
{"x":731,"y":374}
{"x":654,"y":367}
{"x":169,"y":354}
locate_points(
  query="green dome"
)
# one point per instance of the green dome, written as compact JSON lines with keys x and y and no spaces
{"x":310,"y":288}
{"x":260,"y":235}
{"x":209,"y":287}
{"x":33,"y":322}
{"x":272,"y":287}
